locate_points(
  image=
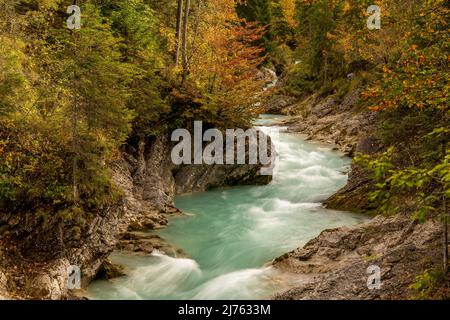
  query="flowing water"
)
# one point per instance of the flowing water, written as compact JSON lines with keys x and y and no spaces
{"x":230,"y":234}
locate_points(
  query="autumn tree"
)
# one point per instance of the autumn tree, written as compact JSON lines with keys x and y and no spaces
{"x":68,"y":79}
{"x":412,"y":97}
{"x":259,"y":11}
{"x":223,"y":65}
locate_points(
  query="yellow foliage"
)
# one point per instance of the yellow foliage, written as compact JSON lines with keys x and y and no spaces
{"x":288,"y":7}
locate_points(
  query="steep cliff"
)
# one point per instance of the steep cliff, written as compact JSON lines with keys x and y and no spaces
{"x":34,"y":259}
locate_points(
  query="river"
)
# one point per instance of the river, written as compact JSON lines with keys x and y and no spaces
{"x":230,"y":235}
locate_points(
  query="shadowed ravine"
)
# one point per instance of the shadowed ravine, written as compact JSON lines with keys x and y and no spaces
{"x":229,"y":234}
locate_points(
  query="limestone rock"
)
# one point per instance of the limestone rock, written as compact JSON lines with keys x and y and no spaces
{"x":334,"y":265}
{"x":146,"y":176}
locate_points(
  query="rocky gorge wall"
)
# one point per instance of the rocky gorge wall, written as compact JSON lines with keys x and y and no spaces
{"x":334,"y":265}
{"x":331,"y":266}
{"x":34,"y":262}
{"x":339,"y":123}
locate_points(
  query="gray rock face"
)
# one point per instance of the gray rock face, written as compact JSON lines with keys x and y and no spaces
{"x":195,"y":178}
{"x":335,"y":123}
{"x":354,"y":196}
{"x":145,"y":175}
{"x":346,"y":127}
{"x":108,"y":270}
{"x":277,"y":103}
{"x":200,"y":178}
{"x":334,"y":265}
{"x":266,"y":74}
{"x":153,"y":179}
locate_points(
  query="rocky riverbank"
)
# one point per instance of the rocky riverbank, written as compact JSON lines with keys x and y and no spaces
{"x":334,"y":265}
{"x":34,"y":262}
{"x":337,"y":122}
{"x":342,"y":124}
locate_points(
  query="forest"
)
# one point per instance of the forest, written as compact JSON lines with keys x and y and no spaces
{"x":73,"y":97}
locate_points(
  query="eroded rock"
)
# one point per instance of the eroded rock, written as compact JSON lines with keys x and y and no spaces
{"x":38,"y":259}
{"x":334,"y":265}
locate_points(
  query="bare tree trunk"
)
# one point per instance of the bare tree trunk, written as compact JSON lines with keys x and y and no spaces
{"x":185,"y":33}
{"x":446,"y":218}
{"x":76,"y":192}
{"x":76,"y":196}
{"x":176,"y":57}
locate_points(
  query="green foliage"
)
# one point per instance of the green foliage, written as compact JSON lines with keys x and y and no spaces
{"x":428,"y":180}
{"x":318,"y":21}
{"x":320,"y":57}
{"x":143,"y":49}
{"x":68,"y":99}
{"x":259,"y":11}
{"x":412,"y":98}
{"x":299,"y":82}
{"x":431,"y":285}
{"x":32,"y":170}
{"x":13,"y":78}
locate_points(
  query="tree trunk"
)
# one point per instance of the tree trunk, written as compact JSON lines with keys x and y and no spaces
{"x":76,"y":196}
{"x":185,"y":33}
{"x":176,"y":57}
{"x":75,"y":142}
{"x":446,"y":218}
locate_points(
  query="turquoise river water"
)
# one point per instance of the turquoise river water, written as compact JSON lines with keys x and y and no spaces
{"x":230,"y":235}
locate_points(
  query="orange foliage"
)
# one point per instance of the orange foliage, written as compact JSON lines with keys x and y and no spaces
{"x":225,"y":61}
